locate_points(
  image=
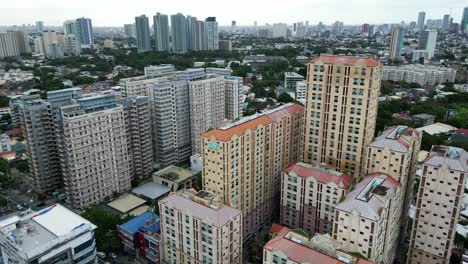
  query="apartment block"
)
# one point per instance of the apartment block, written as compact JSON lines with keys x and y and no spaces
{"x":234,"y":104}
{"x":94,"y":153}
{"x":438,"y":205}
{"x":417,"y":73}
{"x":139,"y":138}
{"x":197,"y":228}
{"x":365,"y":221}
{"x":294,"y":247}
{"x":13,"y":43}
{"x":207,"y":107}
{"x":242,"y":161}
{"x":395,"y":153}
{"x":52,"y":235}
{"x":137,"y":86}
{"x":341,"y":110}
{"x":309,"y":194}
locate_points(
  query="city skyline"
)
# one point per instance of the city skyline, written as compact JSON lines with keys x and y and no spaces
{"x":54,"y":12}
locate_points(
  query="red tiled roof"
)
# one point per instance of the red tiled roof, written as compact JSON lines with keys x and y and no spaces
{"x":347,"y":60}
{"x":239,"y":130}
{"x":303,"y":170}
{"x":462,"y":131}
{"x":13,"y":132}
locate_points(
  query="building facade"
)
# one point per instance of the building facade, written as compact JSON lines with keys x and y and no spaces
{"x":143,"y":33}
{"x":13,"y":43}
{"x":242,"y":161}
{"x":161,"y":32}
{"x":417,"y":73}
{"x":397,"y":36}
{"x":341,"y":111}
{"x":85,"y":34}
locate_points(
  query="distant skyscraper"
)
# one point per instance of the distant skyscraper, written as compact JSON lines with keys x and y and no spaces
{"x":179,"y":33}
{"x":70,"y":27}
{"x":396,"y":42}
{"x":130,"y":30}
{"x":427,"y":41}
{"x":39,"y":26}
{"x":13,"y":43}
{"x":280,"y":30}
{"x":365,"y":28}
{"x":212,"y":33}
{"x":161,"y":32}
{"x":421,"y":18}
{"x":445,"y":23}
{"x":233,"y":25}
{"x":464,"y":21}
{"x":142,"y":33}
{"x":84,"y":29}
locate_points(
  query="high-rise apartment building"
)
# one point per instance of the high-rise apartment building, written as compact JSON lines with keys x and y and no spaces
{"x":242,"y":161}
{"x":421,"y":18}
{"x":70,"y":27}
{"x":143,"y":33}
{"x":71,"y":45}
{"x":397,"y":36}
{"x":130,"y":30}
{"x":207,"y":109}
{"x":445,"y":23}
{"x":395,"y":153}
{"x":233,"y":103}
{"x":179,"y":33}
{"x":341,"y":110}
{"x":280,"y":30}
{"x":464,"y":21}
{"x":84,"y":28}
{"x":39,"y":26}
{"x":13,"y":43}
{"x":366,"y":221}
{"x":211,"y":29}
{"x":93,"y":150}
{"x":161,"y":32}
{"x":427,"y":41}
{"x":197,"y":228}
{"x":438,"y":205}
{"x":55,"y":45}
{"x":139,"y":138}
{"x":309,"y":194}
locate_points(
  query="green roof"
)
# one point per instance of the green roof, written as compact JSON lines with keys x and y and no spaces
{"x":174,"y":174}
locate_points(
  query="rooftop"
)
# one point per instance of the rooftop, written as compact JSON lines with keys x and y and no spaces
{"x":36,"y":232}
{"x":174,"y":174}
{"x":322,"y":173}
{"x":126,"y":203}
{"x":201,"y":205}
{"x":454,"y":158}
{"x":437,"y":128}
{"x":293,"y":75}
{"x":145,"y":222}
{"x":369,"y":196}
{"x":151,"y":190}
{"x":395,"y":138}
{"x":238,"y":128}
{"x":347,"y":60}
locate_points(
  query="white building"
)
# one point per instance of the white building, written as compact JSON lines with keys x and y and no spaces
{"x":301,"y":89}
{"x":52,"y":235}
{"x":280,"y":30}
{"x":13,"y":43}
{"x":417,"y":73}
{"x":427,"y":41}
{"x":5,"y":143}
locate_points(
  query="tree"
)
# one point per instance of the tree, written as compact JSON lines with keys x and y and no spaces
{"x":4,"y":101}
{"x":271,"y":93}
{"x":22,"y":166}
{"x":3,"y":201}
{"x":285,"y":98}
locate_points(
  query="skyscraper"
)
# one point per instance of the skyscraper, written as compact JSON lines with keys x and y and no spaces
{"x":39,"y":26}
{"x":179,"y":33}
{"x":421,"y":18}
{"x":280,"y":30}
{"x":130,"y":30}
{"x":84,"y":28}
{"x":396,"y":43}
{"x":427,"y":41}
{"x":464,"y":21}
{"x":161,"y":32}
{"x":341,"y":107}
{"x":70,"y":27}
{"x":142,"y":33}
{"x":445,"y":23}
{"x":211,"y":27}
{"x":438,"y":205}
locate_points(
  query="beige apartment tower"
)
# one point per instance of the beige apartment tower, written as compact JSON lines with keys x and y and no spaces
{"x":242,"y":161}
{"x":438,"y":205}
{"x":341,"y":110}
{"x":196,"y":228}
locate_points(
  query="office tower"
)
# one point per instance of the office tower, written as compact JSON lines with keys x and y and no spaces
{"x":242,"y":161}
{"x":309,"y":194}
{"x":365,"y":28}
{"x":70,"y":27}
{"x":438,"y":205}
{"x":420,"y":25}
{"x":72,"y":46}
{"x":293,"y":247}
{"x":395,"y":152}
{"x":179,"y":33}
{"x":197,"y":228}
{"x":39,"y":26}
{"x":233,"y":100}
{"x":50,"y":235}
{"x":84,"y":28}
{"x":427,"y":41}
{"x":207,"y":107}
{"x":341,"y":109}
{"x":130,"y":30}
{"x":43,"y":158}
{"x":445,"y":23}
{"x":139,"y":138}
{"x":280,"y":30}
{"x":93,"y":150}
{"x":211,"y":29}
{"x":13,"y":43}
{"x":170,"y":113}
{"x":161,"y":32}
{"x":464,"y":21}
{"x":396,"y":43}
{"x":142,"y":33}
{"x":366,"y":221}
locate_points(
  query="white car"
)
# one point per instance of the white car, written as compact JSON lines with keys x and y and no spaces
{"x":101,"y":255}
{"x":113,"y":255}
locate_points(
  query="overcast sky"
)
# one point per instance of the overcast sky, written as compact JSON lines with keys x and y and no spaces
{"x":245,"y":12}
